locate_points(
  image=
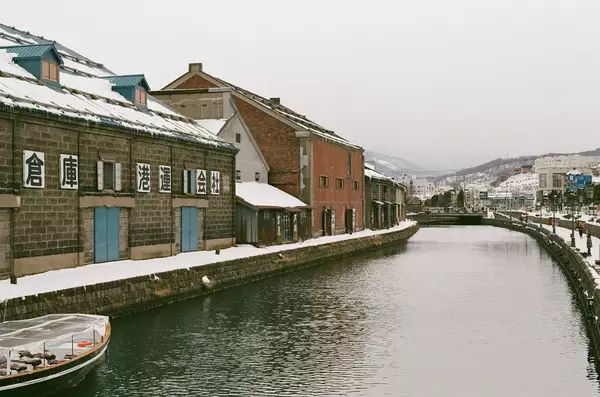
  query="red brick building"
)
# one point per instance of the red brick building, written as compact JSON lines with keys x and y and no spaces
{"x":305,"y":159}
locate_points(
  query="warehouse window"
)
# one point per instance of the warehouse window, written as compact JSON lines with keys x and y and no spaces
{"x":324,"y":182}
{"x":109,"y":176}
{"x":355,"y":185}
{"x":238,"y":138}
{"x":339,"y":184}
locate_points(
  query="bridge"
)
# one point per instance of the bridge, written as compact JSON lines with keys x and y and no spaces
{"x":448,"y":218}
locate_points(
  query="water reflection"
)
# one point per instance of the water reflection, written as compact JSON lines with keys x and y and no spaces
{"x":457,"y":311}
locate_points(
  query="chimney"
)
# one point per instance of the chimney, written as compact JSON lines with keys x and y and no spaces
{"x":275,"y":101}
{"x":195,"y":67}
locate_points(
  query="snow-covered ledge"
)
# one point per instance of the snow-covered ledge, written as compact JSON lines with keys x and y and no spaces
{"x":88,"y":275}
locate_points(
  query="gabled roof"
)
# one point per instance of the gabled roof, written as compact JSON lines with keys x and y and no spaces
{"x":372,"y":174}
{"x":297,"y":120}
{"x":129,"y":81}
{"x":86,"y":95}
{"x":33,"y":51}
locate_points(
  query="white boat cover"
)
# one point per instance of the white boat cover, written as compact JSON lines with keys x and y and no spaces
{"x":23,"y":334}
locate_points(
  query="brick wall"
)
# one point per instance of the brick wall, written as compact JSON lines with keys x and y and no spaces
{"x":331,"y":160}
{"x":196,"y":81}
{"x":279,"y":146}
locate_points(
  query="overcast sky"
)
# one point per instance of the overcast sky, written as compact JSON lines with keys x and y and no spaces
{"x":441,"y":83}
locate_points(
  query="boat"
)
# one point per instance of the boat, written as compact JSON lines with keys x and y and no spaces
{"x":45,"y":355}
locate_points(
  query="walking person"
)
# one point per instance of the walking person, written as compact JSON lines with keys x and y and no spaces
{"x":589,"y":244}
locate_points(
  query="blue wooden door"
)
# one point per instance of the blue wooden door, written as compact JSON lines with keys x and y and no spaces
{"x":189,"y":229}
{"x":113,"y":233}
{"x":106,"y":234}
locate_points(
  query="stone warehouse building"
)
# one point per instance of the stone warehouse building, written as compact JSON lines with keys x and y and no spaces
{"x":93,"y":169}
{"x":304,"y":159}
{"x":385,"y":200}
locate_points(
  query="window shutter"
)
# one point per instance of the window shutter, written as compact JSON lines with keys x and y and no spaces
{"x":100,"y":168}
{"x":194,"y":178}
{"x":185,"y":182}
{"x":117,"y":177}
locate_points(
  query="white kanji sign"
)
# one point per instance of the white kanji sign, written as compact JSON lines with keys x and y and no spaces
{"x":69,"y":171}
{"x":215,"y":182}
{"x":143,"y":177}
{"x":200,"y":181}
{"x":164,"y":179}
{"x":33,"y":169}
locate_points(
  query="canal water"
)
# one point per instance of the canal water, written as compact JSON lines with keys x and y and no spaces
{"x":456,"y":311}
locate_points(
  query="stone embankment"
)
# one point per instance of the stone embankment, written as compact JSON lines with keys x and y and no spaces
{"x":144,"y":292}
{"x":583,"y":278}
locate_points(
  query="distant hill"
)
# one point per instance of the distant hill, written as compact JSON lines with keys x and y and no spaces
{"x":495,"y":171}
{"x":395,"y":166}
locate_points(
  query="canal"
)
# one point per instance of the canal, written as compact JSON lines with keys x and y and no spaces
{"x":456,"y":311}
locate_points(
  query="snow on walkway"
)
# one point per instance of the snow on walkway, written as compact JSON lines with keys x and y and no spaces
{"x":97,"y":273}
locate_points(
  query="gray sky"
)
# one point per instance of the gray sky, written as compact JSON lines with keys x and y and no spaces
{"x":441,"y":83}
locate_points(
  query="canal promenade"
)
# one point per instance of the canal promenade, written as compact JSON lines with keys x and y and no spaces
{"x":127,"y":286}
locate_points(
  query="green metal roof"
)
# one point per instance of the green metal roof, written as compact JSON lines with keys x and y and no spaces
{"x":129,"y":81}
{"x":33,"y":51}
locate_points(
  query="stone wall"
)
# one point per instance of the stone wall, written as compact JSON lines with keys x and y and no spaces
{"x":140,"y":293}
{"x":53,"y":227}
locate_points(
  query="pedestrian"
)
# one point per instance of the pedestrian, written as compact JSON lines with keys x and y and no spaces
{"x":589,"y":244}
{"x":580,"y":229}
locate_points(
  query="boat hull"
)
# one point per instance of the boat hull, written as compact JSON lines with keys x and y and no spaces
{"x":52,"y":380}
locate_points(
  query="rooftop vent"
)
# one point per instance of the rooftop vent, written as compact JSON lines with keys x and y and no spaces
{"x":275,"y":101}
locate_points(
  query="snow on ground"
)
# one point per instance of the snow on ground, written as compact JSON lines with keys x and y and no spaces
{"x":97,"y":273}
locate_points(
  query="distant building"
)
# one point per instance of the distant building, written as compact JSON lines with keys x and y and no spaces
{"x":552,"y":170}
{"x":385,"y":200}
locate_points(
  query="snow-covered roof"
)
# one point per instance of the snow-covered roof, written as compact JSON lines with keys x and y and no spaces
{"x":86,"y":95}
{"x":263,"y":195}
{"x":299,"y":120}
{"x":574,"y":172}
{"x":212,"y":125}
{"x":372,"y":174}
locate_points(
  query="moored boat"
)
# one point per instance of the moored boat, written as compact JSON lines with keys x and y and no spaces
{"x":44,"y":355}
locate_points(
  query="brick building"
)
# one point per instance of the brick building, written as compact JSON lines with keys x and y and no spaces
{"x":93,"y":169}
{"x":385,"y":200}
{"x":305,"y":159}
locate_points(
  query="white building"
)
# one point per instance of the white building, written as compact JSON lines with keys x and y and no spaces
{"x":551,"y":170}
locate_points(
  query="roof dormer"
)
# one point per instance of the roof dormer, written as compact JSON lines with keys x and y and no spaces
{"x":133,"y":87}
{"x":41,"y":60}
